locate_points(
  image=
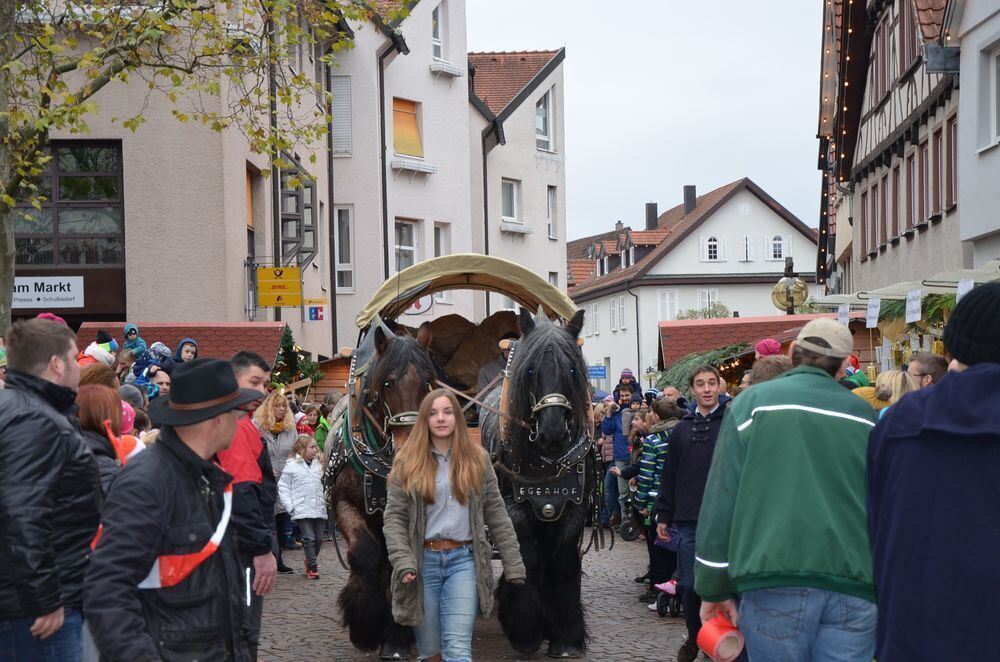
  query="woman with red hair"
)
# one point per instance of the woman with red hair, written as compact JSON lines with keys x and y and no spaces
{"x":100,"y":416}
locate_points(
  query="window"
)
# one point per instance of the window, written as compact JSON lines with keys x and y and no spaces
{"x":621,"y":313}
{"x":510,"y":200}
{"x":707,"y":299}
{"x":911,"y":192}
{"x":554,"y":278}
{"x":406,"y":128}
{"x":746,"y":249}
{"x":631,"y":255}
{"x":437,"y":30}
{"x":713,"y":249}
{"x":864,"y":221}
{"x":873,"y":220}
{"x":896,"y":197}
{"x":995,"y":78}
{"x":951,"y":164}
{"x":666,"y":305}
{"x":924,"y":186}
{"x":907,"y":37}
{"x":344,"y":238}
{"x":600,"y":267}
{"x":883,"y":216}
{"x":543,"y":123}
{"x":442,"y":246}
{"x":613,"y":313}
{"x":340,"y":114}
{"x":777,"y":247}
{"x":406,"y":244}
{"x":82,"y":222}
{"x":936,"y":172}
{"x":507,"y":303}
{"x":607,"y":264}
{"x":298,"y":214}
{"x":551,"y":218}
{"x":595,"y":311}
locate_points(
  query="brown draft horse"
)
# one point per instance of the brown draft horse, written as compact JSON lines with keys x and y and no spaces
{"x":396,"y":382}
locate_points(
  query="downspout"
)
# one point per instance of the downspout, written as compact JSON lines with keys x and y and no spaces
{"x":332,"y":221}
{"x":272,"y":90}
{"x":496,"y":127}
{"x":638,"y":351}
{"x":384,"y":174}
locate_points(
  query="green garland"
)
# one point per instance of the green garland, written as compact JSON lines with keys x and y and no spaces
{"x":934,"y":308}
{"x":679,"y":371}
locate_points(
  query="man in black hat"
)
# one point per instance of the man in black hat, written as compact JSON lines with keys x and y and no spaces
{"x":165,"y":580}
{"x":933,"y":462}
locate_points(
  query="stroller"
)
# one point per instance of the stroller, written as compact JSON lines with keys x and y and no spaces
{"x":669,"y":599}
{"x":631,"y":520}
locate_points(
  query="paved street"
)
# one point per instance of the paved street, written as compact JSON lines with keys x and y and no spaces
{"x":301,"y":621}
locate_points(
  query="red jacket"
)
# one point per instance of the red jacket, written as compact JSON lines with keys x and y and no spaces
{"x":254,"y":488}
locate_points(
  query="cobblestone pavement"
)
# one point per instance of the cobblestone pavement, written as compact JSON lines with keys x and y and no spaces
{"x":302,"y":622}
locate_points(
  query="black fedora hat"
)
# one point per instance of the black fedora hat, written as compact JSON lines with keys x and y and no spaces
{"x":199,"y":390}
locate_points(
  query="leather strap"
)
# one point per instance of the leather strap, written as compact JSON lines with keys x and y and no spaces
{"x":445,"y":545}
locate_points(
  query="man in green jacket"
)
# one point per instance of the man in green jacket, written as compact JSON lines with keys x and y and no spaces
{"x":783,"y":523}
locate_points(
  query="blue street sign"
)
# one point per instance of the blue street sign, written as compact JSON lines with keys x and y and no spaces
{"x":597,"y":372}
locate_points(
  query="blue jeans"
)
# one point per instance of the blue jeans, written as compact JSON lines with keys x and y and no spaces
{"x":685,"y":576}
{"x":451,"y":603}
{"x":17,"y":644}
{"x":796,"y":623}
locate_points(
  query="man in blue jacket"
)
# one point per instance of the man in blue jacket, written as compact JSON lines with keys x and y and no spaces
{"x":933,"y":463}
{"x":616,"y":425}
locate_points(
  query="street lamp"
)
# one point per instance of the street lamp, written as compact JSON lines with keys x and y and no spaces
{"x":791,"y":291}
{"x":650,"y":376}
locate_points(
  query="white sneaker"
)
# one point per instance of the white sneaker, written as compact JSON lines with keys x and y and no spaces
{"x":651,"y":606}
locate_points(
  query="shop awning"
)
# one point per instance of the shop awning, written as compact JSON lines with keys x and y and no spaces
{"x":945,"y":282}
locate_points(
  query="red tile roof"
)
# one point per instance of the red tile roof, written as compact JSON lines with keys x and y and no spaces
{"x":930,"y":16}
{"x":683,"y":337}
{"x":679,"y":225}
{"x":215,"y":339}
{"x":579,"y":271}
{"x":499,"y":77}
{"x":390,"y":10}
{"x":611,"y":246}
{"x":577,"y":248}
{"x":649,"y":237}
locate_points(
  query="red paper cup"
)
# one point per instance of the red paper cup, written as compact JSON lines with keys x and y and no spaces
{"x":720,"y":640}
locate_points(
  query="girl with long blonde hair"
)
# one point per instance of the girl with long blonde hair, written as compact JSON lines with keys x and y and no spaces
{"x":277,"y":428}
{"x":442,"y":493}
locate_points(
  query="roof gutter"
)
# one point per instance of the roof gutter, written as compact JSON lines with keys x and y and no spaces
{"x":396,"y":44}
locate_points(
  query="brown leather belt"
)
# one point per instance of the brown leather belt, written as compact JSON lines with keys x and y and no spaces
{"x":445,"y":545}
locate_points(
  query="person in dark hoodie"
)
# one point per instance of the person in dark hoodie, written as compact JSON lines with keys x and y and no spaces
{"x":682,"y":485}
{"x":933,"y":462}
{"x":187,"y":350}
{"x":133,"y":340}
{"x":97,"y":405}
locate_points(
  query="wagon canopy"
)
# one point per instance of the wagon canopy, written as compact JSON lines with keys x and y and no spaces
{"x":465,"y":271}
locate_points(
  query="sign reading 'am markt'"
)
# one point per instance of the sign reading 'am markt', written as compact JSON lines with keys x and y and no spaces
{"x":48,"y":292}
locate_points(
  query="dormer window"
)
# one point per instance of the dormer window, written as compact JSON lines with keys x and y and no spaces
{"x":631,"y":256}
{"x":600,"y":267}
{"x":607,"y":264}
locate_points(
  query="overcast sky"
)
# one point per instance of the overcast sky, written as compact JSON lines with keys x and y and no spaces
{"x":663,"y":93}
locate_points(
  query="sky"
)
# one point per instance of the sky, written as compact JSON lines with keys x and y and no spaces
{"x":663,"y":93}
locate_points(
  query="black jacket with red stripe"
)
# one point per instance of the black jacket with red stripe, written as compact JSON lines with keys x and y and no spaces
{"x":254,"y":488}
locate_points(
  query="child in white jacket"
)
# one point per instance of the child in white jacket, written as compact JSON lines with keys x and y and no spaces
{"x":300,"y":490}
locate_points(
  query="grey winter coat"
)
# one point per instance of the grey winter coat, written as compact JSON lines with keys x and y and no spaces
{"x":404,"y":526}
{"x":279,"y":447}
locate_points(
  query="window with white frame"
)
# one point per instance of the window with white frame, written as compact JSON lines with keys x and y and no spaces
{"x":713,"y":249}
{"x":613,"y":313}
{"x":437,"y":32}
{"x":746,"y":249}
{"x":631,"y":255}
{"x":600,"y":267}
{"x":777,"y":247}
{"x":707,"y":298}
{"x":666,"y":305}
{"x":607,"y":264}
{"x":554,"y":278}
{"x":507,"y":303}
{"x":996,"y":94}
{"x":597,"y":320}
{"x":624,"y":258}
{"x":544,"y":130}
{"x":621,"y":313}
{"x":406,"y":244}
{"x":442,"y":247}
{"x":551,"y":218}
{"x":340,"y":115}
{"x":510,"y":200}
{"x":344,"y":237}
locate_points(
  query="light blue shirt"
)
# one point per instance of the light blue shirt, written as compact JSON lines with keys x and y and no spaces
{"x":447,"y":519}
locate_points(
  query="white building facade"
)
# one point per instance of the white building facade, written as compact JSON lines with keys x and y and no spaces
{"x":726,"y":247}
{"x":978,"y":34}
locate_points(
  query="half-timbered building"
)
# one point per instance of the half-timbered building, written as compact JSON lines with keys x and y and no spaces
{"x":888,"y":129}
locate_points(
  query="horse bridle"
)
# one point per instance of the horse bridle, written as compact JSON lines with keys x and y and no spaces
{"x":390,"y":421}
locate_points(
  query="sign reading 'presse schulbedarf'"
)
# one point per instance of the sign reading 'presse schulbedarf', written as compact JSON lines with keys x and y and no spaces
{"x":48,"y":292}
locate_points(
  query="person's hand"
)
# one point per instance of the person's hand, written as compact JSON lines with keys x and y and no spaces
{"x":727,"y":608}
{"x":644,"y":512}
{"x":616,"y":471}
{"x":408,"y":577}
{"x":661,"y":532}
{"x":265,"y":569}
{"x":631,"y":481}
{"x":47,"y":625}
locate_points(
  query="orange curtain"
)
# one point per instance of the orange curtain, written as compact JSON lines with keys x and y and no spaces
{"x":405,"y":131}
